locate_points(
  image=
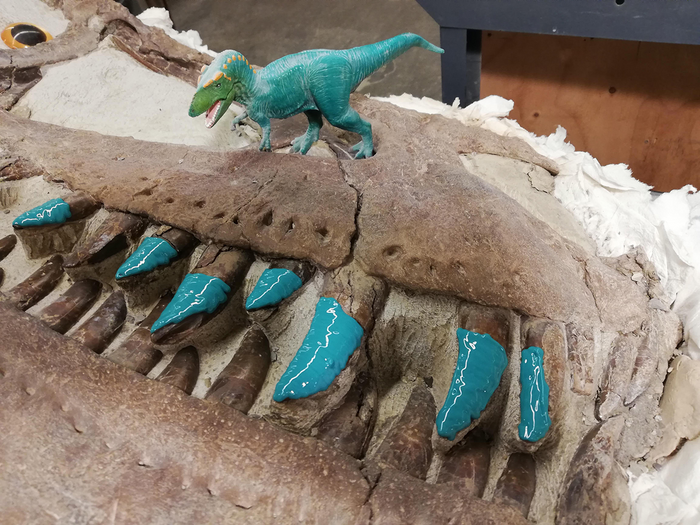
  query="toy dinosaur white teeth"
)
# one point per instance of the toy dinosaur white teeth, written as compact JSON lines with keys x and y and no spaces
{"x":212,"y":112}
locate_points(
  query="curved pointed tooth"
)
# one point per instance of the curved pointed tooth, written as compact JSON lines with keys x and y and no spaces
{"x":65,"y":311}
{"x":157,"y":251}
{"x":98,"y":331}
{"x":240,"y":382}
{"x":138,"y":352}
{"x":516,"y":486}
{"x":595,"y":488}
{"x":278,"y":282}
{"x":7,"y":243}
{"x":466,"y":466}
{"x":111,"y":237}
{"x":408,"y":445}
{"x":549,"y":336}
{"x":229,"y":267}
{"x":183,"y":370}
{"x":38,"y":285}
{"x":349,"y":427}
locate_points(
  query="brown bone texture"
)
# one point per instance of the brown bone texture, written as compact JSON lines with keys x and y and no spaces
{"x":67,"y":310}
{"x":38,"y":285}
{"x":172,"y":459}
{"x":138,"y":352}
{"x":240,"y":382}
{"x":408,"y":447}
{"x":98,"y":331}
{"x":183,"y":370}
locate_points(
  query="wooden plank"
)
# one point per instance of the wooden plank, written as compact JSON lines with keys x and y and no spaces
{"x":632,"y":102}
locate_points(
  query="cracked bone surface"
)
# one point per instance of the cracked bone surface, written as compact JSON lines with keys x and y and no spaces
{"x":414,"y":243}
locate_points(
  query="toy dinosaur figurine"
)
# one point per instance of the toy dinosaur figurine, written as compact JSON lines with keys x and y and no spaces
{"x":317,"y":82}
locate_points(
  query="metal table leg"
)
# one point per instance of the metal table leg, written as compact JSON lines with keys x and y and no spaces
{"x":461,"y":65}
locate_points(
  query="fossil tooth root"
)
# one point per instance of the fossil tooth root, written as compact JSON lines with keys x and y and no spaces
{"x":349,"y":427}
{"x":98,"y":331}
{"x":466,"y":465}
{"x":202,"y":294}
{"x":516,"y":486}
{"x":408,"y":445}
{"x":183,"y":370}
{"x":240,"y":382}
{"x":38,"y":285}
{"x":67,"y":310}
{"x":138,"y":352}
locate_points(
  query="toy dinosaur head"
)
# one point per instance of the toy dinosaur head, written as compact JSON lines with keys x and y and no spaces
{"x":226,"y":79}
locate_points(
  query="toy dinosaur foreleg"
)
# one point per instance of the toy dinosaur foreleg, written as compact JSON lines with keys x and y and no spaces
{"x":264,"y":123}
{"x":237,"y":120}
{"x":303,"y":143}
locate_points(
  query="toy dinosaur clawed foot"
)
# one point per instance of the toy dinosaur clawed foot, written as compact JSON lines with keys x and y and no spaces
{"x":303,"y":143}
{"x":265,"y":145}
{"x":363,"y":151}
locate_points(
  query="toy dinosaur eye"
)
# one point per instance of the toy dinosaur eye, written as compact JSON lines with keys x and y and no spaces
{"x":218,"y":85}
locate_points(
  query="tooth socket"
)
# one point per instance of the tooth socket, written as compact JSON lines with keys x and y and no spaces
{"x":228,"y":265}
{"x":408,"y":446}
{"x":645,"y":365}
{"x":360,"y":295}
{"x":466,"y":466}
{"x":7,"y":243}
{"x":183,"y":370}
{"x":516,"y":486}
{"x":110,"y":238}
{"x":617,"y":374}
{"x":496,"y":323}
{"x":65,"y":311}
{"x":304,"y":270}
{"x":138,"y":352}
{"x":240,"y":382}
{"x":549,"y":336}
{"x":349,"y":427}
{"x":581,"y":354}
{"x":38,"y":285}
{"x":98,"y":331}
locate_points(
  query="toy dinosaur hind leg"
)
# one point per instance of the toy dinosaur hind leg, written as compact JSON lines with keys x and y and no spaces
{"x":303,"y":143}
{"x":344,"y":117}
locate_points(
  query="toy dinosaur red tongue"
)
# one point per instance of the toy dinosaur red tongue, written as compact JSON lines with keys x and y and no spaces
{"x":210,"y":118}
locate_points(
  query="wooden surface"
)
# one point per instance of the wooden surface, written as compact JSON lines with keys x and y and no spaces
{"x":632,"y":102}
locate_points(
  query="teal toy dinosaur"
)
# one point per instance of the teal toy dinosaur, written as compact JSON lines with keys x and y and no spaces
{"x":317,"y":82}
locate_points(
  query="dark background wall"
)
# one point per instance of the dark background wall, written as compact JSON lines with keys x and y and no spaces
{"x":265,"y":30}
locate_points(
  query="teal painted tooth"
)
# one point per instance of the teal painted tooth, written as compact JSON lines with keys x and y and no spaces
{"x":151,"y":253}
{"x":55,"y":211}
{"x":274,"y":285}
{"x":331,"y":340}
{"x":534,"y":396}
{"x":197,"y":293}
{"x":480,"y":365}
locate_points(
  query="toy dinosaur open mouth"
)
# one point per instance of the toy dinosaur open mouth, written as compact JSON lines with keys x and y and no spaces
{"x":212,"y":115}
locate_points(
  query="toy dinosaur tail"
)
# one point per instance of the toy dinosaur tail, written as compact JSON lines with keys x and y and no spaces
{"x":367,"y":59}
